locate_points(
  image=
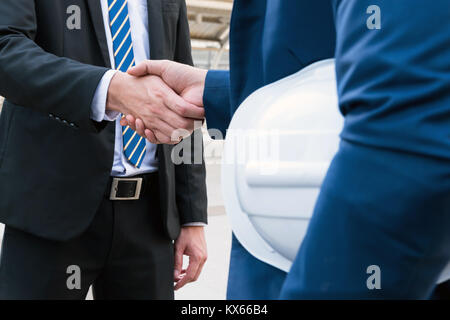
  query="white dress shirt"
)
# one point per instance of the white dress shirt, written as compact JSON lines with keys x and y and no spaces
{"x":138,"y":14}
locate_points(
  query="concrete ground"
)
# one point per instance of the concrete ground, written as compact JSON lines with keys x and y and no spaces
{"x":212,"y":283}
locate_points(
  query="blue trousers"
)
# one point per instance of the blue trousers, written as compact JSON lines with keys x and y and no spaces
{"x":380,"y":229}
{"x":250,"y":278}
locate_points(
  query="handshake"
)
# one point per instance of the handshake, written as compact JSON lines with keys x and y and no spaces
{"x":161,"y":100}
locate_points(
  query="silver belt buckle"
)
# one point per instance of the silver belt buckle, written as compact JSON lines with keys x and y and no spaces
{"x":115,"y":184}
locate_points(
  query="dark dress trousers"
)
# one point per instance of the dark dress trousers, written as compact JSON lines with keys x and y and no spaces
{"x":55,"y":162}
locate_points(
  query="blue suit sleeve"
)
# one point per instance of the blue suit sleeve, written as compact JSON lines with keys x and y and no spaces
{"x":216,"y":99}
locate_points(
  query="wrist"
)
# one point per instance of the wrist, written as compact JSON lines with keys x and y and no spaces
{"x":116,"y":93}
{"x":203,"y":75}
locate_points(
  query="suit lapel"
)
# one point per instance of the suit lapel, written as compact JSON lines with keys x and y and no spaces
{"x":95,"y":10}
{"x":155,"y":29}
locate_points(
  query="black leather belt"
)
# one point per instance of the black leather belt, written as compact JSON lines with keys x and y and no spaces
{"x":130,"y":188}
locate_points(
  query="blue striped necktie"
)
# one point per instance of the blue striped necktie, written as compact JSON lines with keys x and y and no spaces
{"x":133,"y":145}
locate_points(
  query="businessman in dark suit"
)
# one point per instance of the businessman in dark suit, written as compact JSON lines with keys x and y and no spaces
{"x":87,"y":201}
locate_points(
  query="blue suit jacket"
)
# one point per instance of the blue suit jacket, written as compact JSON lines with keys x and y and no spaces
{"x":269,"y":40}
{"x":394,"y":90}
{"x":394,"y":82}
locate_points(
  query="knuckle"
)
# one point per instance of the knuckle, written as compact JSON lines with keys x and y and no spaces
{"x":159,"y":94}
{"x":148,"y":124}
{"x":182,"y":110}
{"x":165,"y":140}
{"x":155,"y":110}
{"x":184,"y":124}
{"x":200,"y":257}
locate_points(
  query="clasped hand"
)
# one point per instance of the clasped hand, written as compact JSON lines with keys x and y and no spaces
{"x":161,"y":100}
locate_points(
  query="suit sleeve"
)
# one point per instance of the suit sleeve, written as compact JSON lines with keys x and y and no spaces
{"x":216,"y":99}
{"x":190,"y":178}
{"x":33,"y":78}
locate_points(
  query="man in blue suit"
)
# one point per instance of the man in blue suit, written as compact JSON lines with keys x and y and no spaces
{"x":263,"y":49}
{"x":381,"y":226}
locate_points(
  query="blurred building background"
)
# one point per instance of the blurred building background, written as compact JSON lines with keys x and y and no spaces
{"x":209,"y":22}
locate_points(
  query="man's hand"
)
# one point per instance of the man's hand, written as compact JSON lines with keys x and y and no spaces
{"x":158,"y":107}
{"x":191,"y":243}
{"x":187,"y":81}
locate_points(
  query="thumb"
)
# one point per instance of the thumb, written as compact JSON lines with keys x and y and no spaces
{"x":152,"y":67}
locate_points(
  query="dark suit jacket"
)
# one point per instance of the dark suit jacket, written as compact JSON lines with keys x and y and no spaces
{"x":55,"y":161}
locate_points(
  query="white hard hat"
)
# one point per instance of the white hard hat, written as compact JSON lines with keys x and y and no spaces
{"x":278,"y":149}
